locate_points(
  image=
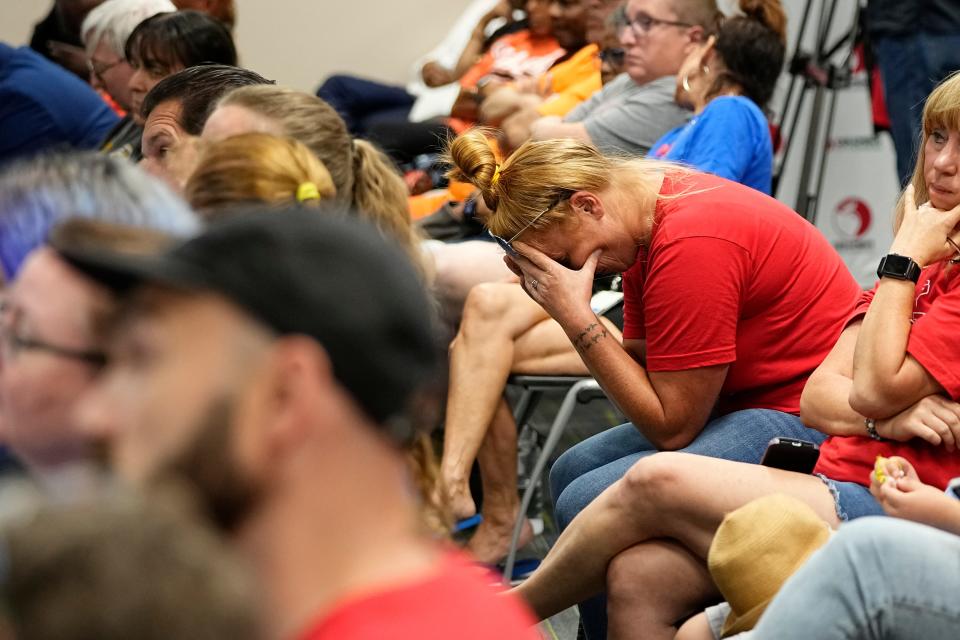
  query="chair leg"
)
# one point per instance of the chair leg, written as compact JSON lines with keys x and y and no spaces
{"x":553,"y":437}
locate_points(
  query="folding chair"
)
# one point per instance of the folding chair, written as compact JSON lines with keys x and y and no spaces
{"x":576,"y":389}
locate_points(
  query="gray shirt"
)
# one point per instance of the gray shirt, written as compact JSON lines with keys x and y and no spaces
{"x":626,"y":117}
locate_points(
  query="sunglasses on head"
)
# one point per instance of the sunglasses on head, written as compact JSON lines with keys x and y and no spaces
{"x":507,"y":245}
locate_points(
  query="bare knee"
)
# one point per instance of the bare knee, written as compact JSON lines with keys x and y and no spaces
{"x":484,"y":310}
{"x":653,"y":480}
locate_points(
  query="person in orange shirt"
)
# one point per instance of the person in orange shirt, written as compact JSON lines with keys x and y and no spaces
{"x":579,"y":25}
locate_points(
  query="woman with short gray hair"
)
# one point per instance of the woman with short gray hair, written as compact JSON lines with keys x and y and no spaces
{"x":38,"y":193}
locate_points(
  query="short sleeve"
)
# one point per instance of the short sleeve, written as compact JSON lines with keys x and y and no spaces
{"x":714,"y":150}
{"x":633,"y":325}
{"x":933,"y":341}
{"x":635,"y":125}
{"x":691,"y":303}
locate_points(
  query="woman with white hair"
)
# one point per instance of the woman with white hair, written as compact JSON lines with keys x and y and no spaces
{"x":105,"y":31}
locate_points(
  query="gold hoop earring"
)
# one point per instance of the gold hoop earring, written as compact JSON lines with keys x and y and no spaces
{"x":685,"y":82}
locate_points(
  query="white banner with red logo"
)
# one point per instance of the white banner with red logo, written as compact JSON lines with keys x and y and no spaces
{"x":855,"y":205}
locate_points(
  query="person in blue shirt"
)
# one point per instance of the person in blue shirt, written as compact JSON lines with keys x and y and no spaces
{"x":728,"y":82}
{"x":42,"y":106}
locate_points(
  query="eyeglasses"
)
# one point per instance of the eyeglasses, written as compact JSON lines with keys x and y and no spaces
{"x":642,"y":23}
{"x":99,"y":68}
{"x":507,"y":245}
{"x":613,"y":55}
{"x":12,"y":343}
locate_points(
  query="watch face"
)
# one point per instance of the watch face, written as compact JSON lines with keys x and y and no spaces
{"x":897,"y":265}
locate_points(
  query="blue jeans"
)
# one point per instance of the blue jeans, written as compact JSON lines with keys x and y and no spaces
{"x":585,"y":470}
{"x":877,"y":579}
{"x":365,"y":103}
{"x":911,"y":66}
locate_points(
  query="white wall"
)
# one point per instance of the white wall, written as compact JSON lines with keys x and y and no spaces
{"x":299,"y":42}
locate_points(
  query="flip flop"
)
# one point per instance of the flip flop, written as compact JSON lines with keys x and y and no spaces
{"x":467,"y":523}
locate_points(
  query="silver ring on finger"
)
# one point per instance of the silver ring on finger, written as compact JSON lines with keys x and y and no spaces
{"x":534,"y":283}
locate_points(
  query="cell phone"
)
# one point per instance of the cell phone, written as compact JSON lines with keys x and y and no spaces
{"x":791,"y":454}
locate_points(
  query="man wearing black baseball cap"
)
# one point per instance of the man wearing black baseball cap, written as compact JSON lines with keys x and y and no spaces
{"x":269,"y":361}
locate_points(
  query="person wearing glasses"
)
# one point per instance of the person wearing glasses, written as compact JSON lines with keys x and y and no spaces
{"x":730,"y":299}
{"x":634,"y":110}
{"x":50,"y":345}
{"x":727,"y":82}
{"x":105,"y":32}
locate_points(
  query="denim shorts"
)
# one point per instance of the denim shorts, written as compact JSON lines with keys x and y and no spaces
{"x":851,"y":500}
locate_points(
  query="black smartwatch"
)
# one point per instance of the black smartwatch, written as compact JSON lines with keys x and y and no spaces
{"x":898,"y":267}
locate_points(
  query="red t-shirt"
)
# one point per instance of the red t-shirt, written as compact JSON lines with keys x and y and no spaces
{"x":933,"y":343}
{"x":456,"y":602}
{"x":734,"y":277}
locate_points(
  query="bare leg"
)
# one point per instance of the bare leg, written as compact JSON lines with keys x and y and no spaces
{"x":543,"y":349}
{"x":481,"y":358}
{"x":668,"y":495}
{"x":637,"y":608}
{"x":501,"y":503}
{"x":460,"y":267}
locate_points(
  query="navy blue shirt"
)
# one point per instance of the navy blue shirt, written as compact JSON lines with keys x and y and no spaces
{"x":729,"y":138}
{"x":43,"y":105}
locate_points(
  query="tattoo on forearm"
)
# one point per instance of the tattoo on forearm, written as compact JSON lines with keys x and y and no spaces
{"x":591,"y":335}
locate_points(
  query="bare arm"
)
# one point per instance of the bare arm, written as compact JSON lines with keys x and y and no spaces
{"x":669,"y":408}
{"x":550,"y":127}
{"x":825,"y":404}
{"x":886,"y":378}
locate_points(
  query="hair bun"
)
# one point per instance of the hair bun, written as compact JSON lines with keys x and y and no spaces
{"x":473,"y":161}
{"x":769,"y":13}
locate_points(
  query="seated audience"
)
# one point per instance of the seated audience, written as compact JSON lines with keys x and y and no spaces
{"x":887,"y":388}
{"x":630,"y":113}
{"x":362,"y":175}
{"x":364,"y":103}
{"x":114,"y":566}
{"x":105,"y":32}
{"x":169,"y":42}
{"x":175,"y":112}
{"x":52,"y":319}
{"x":57,"y":36}
{"x":693,"y":371}
{"x":253,"y":363}
{"x":256,"y":168}
{"x":503,"y":331}
{"x":517,"y":56}
{"x":727,"y":82}
{"x":578,"y":25}
{"x":44,"y":107}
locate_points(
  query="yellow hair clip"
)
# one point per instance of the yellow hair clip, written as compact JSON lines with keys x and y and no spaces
{"x":496,"y":176}
{"x":307,"y":191}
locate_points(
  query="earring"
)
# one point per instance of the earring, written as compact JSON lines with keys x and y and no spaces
{"x":705,"y":70}
{"x":685,"y":82}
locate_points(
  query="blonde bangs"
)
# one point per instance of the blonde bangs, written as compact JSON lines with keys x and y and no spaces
{"x":942,"y":110}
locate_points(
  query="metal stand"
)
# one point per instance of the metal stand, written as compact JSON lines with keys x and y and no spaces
{"x":815,"y":73}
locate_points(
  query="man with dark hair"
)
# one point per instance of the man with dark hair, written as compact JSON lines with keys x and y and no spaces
{"x":271,"y":362}
{"x":175,"y":111}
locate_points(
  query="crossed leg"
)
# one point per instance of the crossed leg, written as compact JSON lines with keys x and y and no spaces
{"x":680,"y":497}
{"x":503,"y":331}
